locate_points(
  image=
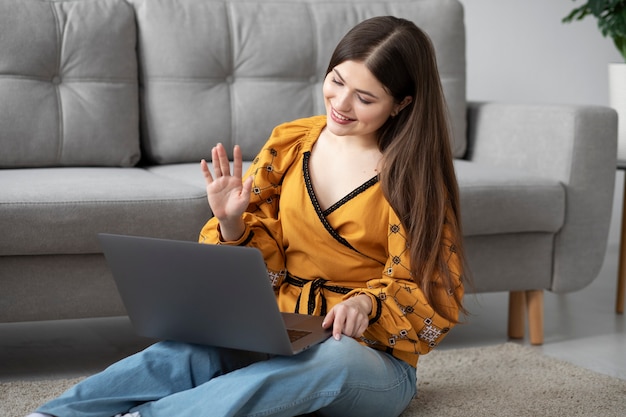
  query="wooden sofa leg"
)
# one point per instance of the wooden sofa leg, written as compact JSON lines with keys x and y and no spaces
{"x":534,"y":305}
{"x":621,"y":272}
{"x":517,"y":308}
{"x":621,"y":281}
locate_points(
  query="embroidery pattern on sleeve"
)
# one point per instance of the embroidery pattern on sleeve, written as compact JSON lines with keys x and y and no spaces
{"x":266,"y":185}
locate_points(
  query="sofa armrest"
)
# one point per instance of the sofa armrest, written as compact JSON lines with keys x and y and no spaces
{"x":576,"y":145}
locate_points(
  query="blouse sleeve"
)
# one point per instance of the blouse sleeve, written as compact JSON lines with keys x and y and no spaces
{"x":401,"y":318}
{"x":262,"y":218}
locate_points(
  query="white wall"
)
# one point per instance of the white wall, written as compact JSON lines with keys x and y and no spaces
{"x":519,"y":51}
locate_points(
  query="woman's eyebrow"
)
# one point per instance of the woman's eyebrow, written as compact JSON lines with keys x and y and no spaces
{"x":367,"y":93}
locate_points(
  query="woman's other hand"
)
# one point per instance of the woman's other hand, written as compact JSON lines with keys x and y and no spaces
{"x":227,"y":195}
{"x":350,"y":317}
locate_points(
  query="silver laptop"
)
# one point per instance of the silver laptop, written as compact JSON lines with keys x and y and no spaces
{"x":216,"y":295}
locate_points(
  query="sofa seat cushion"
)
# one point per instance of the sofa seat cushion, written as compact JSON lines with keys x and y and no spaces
{"x":188,"y":173}
{"x":493,"y":200}
{"x":68,"y":82}
{"x":60,"y":210}
{"x":500,"y":201}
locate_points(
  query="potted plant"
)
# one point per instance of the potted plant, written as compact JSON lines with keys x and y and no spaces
{"x":611,"y":16}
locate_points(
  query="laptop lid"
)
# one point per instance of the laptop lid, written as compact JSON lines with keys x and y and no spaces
{"x":216,"y":295}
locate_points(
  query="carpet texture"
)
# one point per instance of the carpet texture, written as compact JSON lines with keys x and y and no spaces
{"x":503,"y":380}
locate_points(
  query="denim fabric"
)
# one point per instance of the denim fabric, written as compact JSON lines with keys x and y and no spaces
{"x":338,"y":378}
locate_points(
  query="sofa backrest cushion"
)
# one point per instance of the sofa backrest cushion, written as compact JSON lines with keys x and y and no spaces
{"x":68,"y":83}
{"x":230,"y":71}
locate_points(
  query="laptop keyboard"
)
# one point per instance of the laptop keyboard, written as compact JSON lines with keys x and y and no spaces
{"x":296,"y":334}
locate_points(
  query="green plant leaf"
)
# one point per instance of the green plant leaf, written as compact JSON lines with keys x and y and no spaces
{"x":611,"y":19}
{"x":620,"y":44}
{"x":577,"y":14}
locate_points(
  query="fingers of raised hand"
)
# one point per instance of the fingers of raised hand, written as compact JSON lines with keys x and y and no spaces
{"x":221,"y":166}
{"x":237,"y":162}
{"x":221,"y":163}
{"x":208,"y":178}
{"x":218,"y":169}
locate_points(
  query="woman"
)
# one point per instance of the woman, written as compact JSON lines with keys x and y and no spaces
{"x":357,"y":216}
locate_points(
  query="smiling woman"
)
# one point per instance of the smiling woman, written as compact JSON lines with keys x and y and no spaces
{"x":362,"y":95}
{"x":346,"y":153}
{"x":349,"y":230}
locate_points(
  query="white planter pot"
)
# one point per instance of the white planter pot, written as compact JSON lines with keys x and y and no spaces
{"x":617,"y":97}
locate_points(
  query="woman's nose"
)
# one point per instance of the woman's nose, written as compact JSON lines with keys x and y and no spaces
{"x":342,"y":101}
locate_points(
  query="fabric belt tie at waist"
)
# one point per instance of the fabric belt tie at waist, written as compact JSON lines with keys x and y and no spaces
{"x":313,"y":294}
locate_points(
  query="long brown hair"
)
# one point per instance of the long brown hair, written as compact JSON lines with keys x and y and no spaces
{"x":418,"y":176}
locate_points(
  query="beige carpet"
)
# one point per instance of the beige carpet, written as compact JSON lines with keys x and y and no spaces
{"x":504,"y":380}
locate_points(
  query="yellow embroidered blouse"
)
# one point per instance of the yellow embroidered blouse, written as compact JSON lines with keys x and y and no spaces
{"x":316,"y":259}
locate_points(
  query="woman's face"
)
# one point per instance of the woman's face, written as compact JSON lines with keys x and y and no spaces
{"x":357,"y":104}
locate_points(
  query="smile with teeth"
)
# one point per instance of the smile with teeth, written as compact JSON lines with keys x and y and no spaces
{"x":338,"y":116}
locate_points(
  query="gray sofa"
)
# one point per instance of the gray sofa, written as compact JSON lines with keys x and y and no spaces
{"x":106,"y":107}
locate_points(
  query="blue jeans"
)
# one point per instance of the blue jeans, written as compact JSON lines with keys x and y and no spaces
{"x":338,"y":378}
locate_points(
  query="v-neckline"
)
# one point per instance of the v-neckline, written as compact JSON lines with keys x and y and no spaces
{"x":311,"y":191}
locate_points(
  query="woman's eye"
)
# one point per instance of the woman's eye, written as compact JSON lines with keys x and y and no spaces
{"x":339,"y":83}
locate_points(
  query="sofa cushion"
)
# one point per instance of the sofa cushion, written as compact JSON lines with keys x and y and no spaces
{"x":60,"y":210}
{"x":500,"y":201}
{"x":494,"y":201}
{"x":188,"y":173}
{"x":68,"y":82}
{"x":213,"y":71}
